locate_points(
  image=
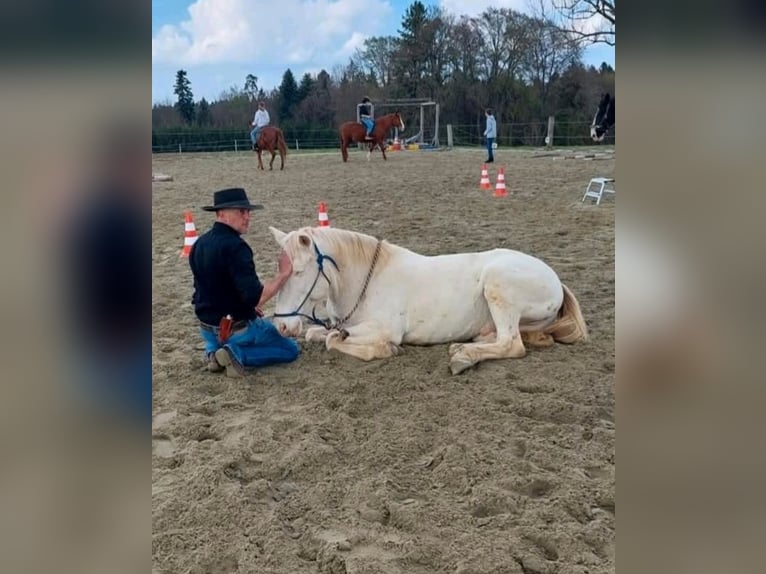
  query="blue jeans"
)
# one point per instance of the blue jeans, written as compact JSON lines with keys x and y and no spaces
{"x":254,"y":133}
{"x":490,"y":141}
{"x":256,"y":345}
{"x":369,"y":124}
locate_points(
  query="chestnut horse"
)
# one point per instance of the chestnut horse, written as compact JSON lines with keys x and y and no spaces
{"x":354,"y":132}
{"x":270,"y":138}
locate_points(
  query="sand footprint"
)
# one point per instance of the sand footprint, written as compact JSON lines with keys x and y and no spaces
{"x":163,"y":444}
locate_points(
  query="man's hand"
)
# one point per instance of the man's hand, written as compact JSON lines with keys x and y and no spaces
{"x":285,"y":266}
{"x":259,"y":311}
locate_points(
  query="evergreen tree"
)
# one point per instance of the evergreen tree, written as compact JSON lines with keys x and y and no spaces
{"x":288,"y":95}
{"x":307,"y":84}
{"x":413,"y":48}
{"x":251,"y":87}
{"x":203,"y":113}
{"x":185,"y":102}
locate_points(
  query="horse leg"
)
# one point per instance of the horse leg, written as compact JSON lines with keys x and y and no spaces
{"x":506,"y":316}
{"x":271,"y":163}
{"x":344,"y":149}
{"x":366,"y":341}
{"x":382,"y":149}
{"x":316,"y":334}
{"x":486,"y":335}
{"x":260,"y":163}
{"x":455,"y":347}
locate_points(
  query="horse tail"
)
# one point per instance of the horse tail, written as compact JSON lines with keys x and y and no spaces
{"x":281,"y":142}
{"x":569,"y":326}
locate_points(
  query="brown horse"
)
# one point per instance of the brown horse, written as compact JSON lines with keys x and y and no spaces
{"x":269,"y":139}
{"x":354,"y":132}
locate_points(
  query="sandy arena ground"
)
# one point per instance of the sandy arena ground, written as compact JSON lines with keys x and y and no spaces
{"x":334,"y":465}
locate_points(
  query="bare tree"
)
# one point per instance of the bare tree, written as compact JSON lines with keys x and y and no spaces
{"x":591,"y":21}
{"x":548,"y":56}
{"x":377,"y":57}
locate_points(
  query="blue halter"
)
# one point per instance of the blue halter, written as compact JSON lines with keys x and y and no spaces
{"x":320,"y":271}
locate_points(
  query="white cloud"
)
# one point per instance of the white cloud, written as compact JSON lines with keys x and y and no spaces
{"x":596,"y":23}
{"x":355,"y":41}
{"x":475,"y":7}
{"x":294,"y":31}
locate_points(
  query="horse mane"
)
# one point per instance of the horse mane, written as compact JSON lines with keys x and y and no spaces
{"x":350,"y":248}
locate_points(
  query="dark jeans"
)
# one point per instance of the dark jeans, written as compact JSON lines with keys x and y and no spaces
{"x":490,"y":141}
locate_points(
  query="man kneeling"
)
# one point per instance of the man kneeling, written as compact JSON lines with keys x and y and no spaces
{"x":228,"y":294}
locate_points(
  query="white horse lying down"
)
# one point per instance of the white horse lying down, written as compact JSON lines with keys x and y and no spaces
{"x":379,"y":296}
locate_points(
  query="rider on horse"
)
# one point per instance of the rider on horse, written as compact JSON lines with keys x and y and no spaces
{"x":365,"y":114}
{"x":260,"y":120}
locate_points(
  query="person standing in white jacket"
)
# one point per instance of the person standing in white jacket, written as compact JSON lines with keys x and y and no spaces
{"x":490,"y":133}
{"x":260,"y":120}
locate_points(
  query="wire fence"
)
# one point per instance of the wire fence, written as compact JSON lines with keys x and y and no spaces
{"x":565,"y":134}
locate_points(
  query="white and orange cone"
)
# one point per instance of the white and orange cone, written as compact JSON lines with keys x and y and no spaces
{"x":484,"y":183}
{"x":190,"y":234}
{"x":324,"y":220}
{"x":500,"y":185}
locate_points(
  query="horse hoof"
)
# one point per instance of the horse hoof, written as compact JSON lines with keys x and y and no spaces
{"x":329,"y":341}
{"x":537,"y":339}
{"x":457,"y":366}
{"x":316,"y":334}
{"x":335,"y":337}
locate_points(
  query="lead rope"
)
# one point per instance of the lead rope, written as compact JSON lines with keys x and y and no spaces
{"x":340,"y":323}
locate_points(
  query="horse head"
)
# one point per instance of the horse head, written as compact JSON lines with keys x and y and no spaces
{"x":307,"y":288}
{"x":398,"y":121}
{"x":604,"y":118}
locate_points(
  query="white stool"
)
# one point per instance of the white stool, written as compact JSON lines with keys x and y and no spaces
{"x":600,"y":188}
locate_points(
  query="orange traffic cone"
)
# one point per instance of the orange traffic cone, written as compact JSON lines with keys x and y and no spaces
{"x":324,"y":221}
{"x":190,"y":234}
{"x":484,"y":183}
{"x":500,"y":185}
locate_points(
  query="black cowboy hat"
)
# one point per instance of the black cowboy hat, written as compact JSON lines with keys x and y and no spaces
{"x":231,"y":198}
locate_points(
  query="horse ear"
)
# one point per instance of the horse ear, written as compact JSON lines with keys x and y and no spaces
{"x":279,"y":236}
{"x":305,"y":240}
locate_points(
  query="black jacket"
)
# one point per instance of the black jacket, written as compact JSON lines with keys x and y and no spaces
{"x":225,"y":282}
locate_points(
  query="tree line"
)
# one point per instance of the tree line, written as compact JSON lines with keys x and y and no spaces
{"x":525,"y":67}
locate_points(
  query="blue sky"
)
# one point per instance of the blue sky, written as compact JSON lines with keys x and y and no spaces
{"x":219,"y":42}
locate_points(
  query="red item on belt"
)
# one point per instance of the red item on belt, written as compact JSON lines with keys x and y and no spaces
{"x":224,"y":329}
